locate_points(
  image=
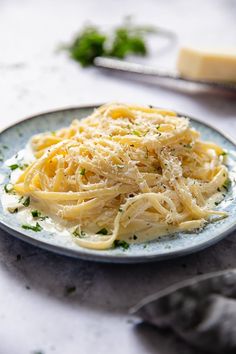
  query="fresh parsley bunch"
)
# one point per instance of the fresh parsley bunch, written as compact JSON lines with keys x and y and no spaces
{"x":91,"y":42}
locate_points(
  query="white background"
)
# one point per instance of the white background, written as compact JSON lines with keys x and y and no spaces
{"x":34,"y":77}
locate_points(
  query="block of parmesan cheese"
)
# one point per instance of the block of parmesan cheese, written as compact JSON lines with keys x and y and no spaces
{"x":211,"y":65}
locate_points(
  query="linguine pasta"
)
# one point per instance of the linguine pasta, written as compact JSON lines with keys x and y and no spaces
{"x":125,"y":172}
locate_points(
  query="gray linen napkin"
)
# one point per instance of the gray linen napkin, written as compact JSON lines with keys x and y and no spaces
{"x":202,"y":311}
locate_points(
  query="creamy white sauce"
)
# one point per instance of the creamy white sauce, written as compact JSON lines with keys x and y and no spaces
{"x":11,"y":202}
{"x":24,"y":156}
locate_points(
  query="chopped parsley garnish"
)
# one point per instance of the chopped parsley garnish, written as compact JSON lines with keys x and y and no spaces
{"x":121,"y":243}
{"x":38,"y":214}
{"x":103,"y":231}
{"x":14,"y":166}
{"x":78,"y":233}
{"x":224,"y":153}
{"x":217,"y":203}
{"x":26,"y":202}
{"x":226,"y":185}
{"x":14,"y":211}
{"x":82,"y":171}
{"x":188,"y":146}
{"x":35,"y":213}
{"x":36,"y":228}
{"x":158,"y":126}
{"x":8,"y":188}
{"x":120,"y":210}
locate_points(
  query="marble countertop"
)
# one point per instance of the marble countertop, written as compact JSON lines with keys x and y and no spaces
{"x":38,"y":314}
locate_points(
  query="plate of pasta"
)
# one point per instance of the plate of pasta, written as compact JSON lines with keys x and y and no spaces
{"x":117,"y":183}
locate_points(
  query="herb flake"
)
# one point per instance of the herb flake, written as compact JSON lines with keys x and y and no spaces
{"x":35,"y":213}
{"x":8,"y":188}
{"x":36,"y":228}
{"x":38,"y":214}
{"x":26,"y":202}
{"x":14,"y":166}
{"x":121,"y":243}
{"x":14,"y":211}
{"x":78,"y":233}
{"x":82,"y":171}
{"x":103,"y":231}
{"x":226,"y":185}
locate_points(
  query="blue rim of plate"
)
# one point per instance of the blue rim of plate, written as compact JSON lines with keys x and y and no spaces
{"x":120,"y":256}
